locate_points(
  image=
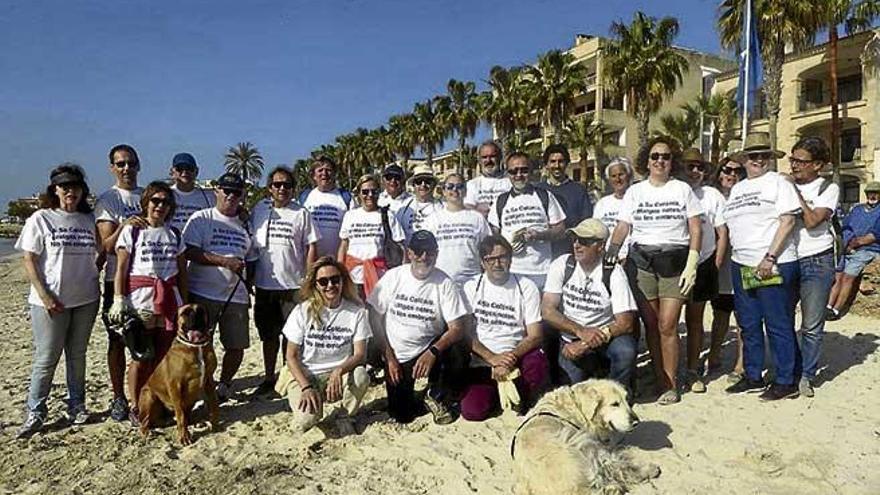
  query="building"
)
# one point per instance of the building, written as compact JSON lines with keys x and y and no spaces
{"x":805,"y":108}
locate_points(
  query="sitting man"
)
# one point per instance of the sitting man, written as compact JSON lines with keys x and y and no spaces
{"x":418,"y":317}
{"x":591,"y":306}
{"x":507,"y":340}
{"x":861,"y":236}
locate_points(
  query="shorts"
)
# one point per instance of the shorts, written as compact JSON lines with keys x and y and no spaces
{"x":654,"y":286}
{"x":723,"y":302}
{"x":234,"y":331}
{"x":855,"y":262}
{"x":271,"y":309}
{"x":106,"y":303}
{"x":706,"y":285}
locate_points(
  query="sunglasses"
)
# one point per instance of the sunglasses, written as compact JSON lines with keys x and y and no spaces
{"x":586,"y":242}
{"x":696,"y":166}
{"x":738,"y":171}
{"x":455,"y":187}
{"x":660,"y":156}
{"x":518,"y":171}
{"x":763,"y":156}
{"x":231,"y":191}
{"x":185,"y":168}
{"x":418,"y":252}
{"x":390,"y":177}
{"x":282,"y":184}
{"x":70,"y":185}
{"x":157,"y":202}
{"x":370,"y":192}
{"x":126,"y":163}
{"x":423,"y":182}
{"x":501,"y":258}
{"x":331,"y":280}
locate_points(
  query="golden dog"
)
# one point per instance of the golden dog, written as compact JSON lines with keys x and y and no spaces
{"x":185,"y":375}
{"x":563,"y":444}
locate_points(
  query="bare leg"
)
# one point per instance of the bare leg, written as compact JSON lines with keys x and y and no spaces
{"x":652,"y":339}
{"x":670,"y":311}
{"x":231,"y":362}
{"x":835,"y":289}
{"x":116,"y":367}
{"x":847,"y":284}
{"x":720,"y":326}
{"x":270,"y":357}
{"x":693,"y":318}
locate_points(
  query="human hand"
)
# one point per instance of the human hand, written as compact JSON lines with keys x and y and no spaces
{"x":764,"y":269}
{"x":611,"y":254}
{"x":310,"y":401}
{"x":423,"y":365}
{"x":503,"y":359}
{"x":574,"y":350}
{"x":121,"y":307}
{"x":235,"y":265}
{"x":333,"y":391}
{"x":500,"y":372}
{"x":136,"y":221}
{"x":689,"y":275}
{"x":52,"y":305}
{"x":393,"y":369}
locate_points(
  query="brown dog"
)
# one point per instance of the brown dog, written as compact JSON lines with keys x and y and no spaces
{"x":184,"y":375}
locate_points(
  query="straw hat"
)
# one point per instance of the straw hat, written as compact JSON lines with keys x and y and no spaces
{"x":757,"y":142}
{"x":422,"y":171}
{"x":692,"y":155}
{"x":733,"y":147}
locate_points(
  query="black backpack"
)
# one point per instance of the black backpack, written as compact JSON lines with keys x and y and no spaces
{"x":570,"y":264}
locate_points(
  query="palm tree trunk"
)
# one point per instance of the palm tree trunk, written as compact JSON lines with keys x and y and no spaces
{"x":773,"y":92}
{"x":642,"y":120}
{"x":429,"y":157}
{"x":835,"y":112}
{"x":461,"y":143}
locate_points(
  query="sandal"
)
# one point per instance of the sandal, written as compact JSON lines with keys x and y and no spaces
{"x":669,"y":397}
{"x":695,"y":382}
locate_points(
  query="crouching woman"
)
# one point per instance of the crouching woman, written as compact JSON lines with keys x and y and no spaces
{"x":327,"y":335}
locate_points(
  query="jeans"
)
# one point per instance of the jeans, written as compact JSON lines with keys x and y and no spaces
{"x":621,"y":352}
{"x":816,"y":279}
{"x":67,"y":332}
{"x":771,"y":308}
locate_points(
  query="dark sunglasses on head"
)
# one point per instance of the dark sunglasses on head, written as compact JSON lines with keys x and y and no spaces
{"x":281,"y":183}
{"x":518,"y":171}
{"x":159,"y":202}
{"x":660,"y":156}
{"x":454,"y":187}
{"x":423,"y":182}
{"x":369,"y":192}
{"x":763,"y":156}
{"x":331,"y":280}
{"x":186,"y":168}
{"x":126,"y":163}
{"x":392,"y":177}
{"x":738,"y":171}
{"x":229,"y":191}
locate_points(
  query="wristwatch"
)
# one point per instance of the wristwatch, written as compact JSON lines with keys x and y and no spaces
{"x":434,"y":350}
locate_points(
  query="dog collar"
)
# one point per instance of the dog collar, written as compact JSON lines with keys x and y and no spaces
{"x":190,"y":344}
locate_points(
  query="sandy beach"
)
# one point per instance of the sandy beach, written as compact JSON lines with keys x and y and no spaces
{"x":709,"y":443}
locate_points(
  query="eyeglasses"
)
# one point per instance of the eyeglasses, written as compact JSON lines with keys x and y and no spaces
{"x":157,"y":202}
{"x":229,"y":191}
{"x":660,"y":156}
{"x":518,"y":171}
{"x":423,"y":182}
{"x":584,"y":241}
{"x":501,"y":258}
{"x":756,"y":157}
{"x":370,"y":192}
{"x":798,"y":161}
{"x":390,"y":177}
{"x":738,"y":171}
{"x":331,"y":280}
{"x":126,"y":163}
{"x":282,"y":184}
{"x":455,"y":187}
{"x":696,"y":166}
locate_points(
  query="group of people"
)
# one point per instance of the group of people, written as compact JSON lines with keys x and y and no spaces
{"x":485,"y":297}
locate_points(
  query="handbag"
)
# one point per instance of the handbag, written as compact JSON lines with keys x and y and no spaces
{"x":391,"y":251}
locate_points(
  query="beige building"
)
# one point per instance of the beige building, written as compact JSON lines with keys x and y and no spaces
{"x":805,"y":108}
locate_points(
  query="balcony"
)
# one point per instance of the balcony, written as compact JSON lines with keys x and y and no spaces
{"x":816,"y":94}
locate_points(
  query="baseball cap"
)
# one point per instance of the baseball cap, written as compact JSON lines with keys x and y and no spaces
{"x":184,"y":160}
{"x":230,"y":180}
{"x":394,"y":169}
{"x":423,"y":240}
{"x":590,"y":228}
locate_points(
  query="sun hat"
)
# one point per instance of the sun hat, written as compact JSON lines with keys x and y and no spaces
{"x":423,"y":171}
{"x":757,"y":142}
{"x":872,"y":186}
{"x":591,"y":228}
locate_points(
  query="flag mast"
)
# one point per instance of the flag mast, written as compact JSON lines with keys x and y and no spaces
{"x":746,"y":69}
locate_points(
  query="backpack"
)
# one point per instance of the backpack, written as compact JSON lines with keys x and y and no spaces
{"x":346,"y":197}
{"x":391,"y":251}
{"x":570,"y":264}
{"x":834,"y":227}
{"x":501,"y":202}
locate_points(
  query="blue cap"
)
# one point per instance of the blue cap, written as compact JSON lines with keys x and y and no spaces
{"x":423,"y":240}
{"x":230,"y":180}
{"x":183,"y":159}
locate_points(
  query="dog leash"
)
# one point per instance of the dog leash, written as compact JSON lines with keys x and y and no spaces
{"x":533,"y":416}
{"x":231,"y":295}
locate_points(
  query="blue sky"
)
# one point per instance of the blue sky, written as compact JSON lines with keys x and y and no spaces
{"x":199,"y":76}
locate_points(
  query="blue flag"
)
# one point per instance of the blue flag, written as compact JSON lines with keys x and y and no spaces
{"x":750,"y":67}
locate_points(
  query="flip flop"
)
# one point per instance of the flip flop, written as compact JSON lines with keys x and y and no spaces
{"x":669,"y":397}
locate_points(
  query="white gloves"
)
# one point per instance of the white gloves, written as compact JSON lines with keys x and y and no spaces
{"x":507,"y":392}
{"x":689,"y":274}
{"x":121,"y":307}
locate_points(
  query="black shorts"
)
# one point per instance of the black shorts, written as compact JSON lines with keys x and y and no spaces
{"x":271,"y":309}
{"x":106,"y":303}
{"x":706,"y":286}
{"x":723,"y":302}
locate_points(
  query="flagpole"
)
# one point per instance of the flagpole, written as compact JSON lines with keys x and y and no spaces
{"x":747,"y":63}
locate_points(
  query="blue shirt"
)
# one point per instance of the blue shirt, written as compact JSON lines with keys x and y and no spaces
{"x":862,"y":221}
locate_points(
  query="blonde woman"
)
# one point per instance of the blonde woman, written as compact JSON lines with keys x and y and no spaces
{"x":327,"y":337}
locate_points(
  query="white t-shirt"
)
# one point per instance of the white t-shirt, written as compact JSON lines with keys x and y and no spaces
{"x":526,"y":211}
{"x":659,"y":215}
{"x":215,"y":233}
{"x":327,"y":210}
{"x":395,"y":204}
{"x":415,"y":310}
{"x":66,"y":245}
{"x":282,"y":237}
{"x":413,"y":215}
{"x":117,"y":205}
{"x":155,"y":255}
{"x":606,"y":210}
{"x":752,"y":212}
{"x":587,"y":302}
{"x":484,"y":190}
{"x":189,"y":203}
{"x":326,"y":346}
{"x":819,"y":238}
{"x":366,"y":238}
{"x":458,"y":237}
{"x":712,"y":202}
{"x":503,"y":311}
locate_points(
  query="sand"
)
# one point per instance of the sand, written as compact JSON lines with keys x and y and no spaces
{"x":709,"y":443}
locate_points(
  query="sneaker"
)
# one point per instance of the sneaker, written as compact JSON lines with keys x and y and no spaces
{"x":266,"y":388}
{"x":224,"y":392}
{"x":78,"y":415}
{"x":734,"y":377}
{"x":745,"y":385}
{"x":119,"y":409}
{"x":441,"y":413}
{"x":806,"y":388}
{"x":32,"y":424}
{"x":832,"y":314}
{"x":695,"y":382}
{"x":777,"y":391}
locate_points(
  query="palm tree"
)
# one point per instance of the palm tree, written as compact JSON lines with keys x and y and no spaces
{"x":642,"y":65}
{"x":779,"y":23}
{"x":402,"y":136}
{"x":684,"y":126}
{"x":430,"y":128}
{"x":583,"y":134}
{"x":301,"y":175}
{"x":504,"y":107}
{"x":378,"y":147}
{"x":718,"y":113}
{"x":245,"y":160}
{"x":551,"y":86}
{"x":460,"y":111}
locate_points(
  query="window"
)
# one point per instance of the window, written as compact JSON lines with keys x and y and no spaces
{"x":576,"y":174}
{"x":850,"y":144}
{"x":849,"y":88}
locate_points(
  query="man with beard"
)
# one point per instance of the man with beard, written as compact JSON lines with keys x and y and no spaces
{"x":572,"y":195}
{"x":482,"y":190}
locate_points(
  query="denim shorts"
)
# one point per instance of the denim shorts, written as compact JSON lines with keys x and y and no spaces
{"x":855,"y":262}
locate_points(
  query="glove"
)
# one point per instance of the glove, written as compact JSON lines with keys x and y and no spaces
{"x":689,"y":274}
{"x":507,"y":392}
{"x":121,"y":307}
{"x":611,"y":254}
{"x":518,"y":243}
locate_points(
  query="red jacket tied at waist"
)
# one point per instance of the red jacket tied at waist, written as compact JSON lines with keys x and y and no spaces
{"x":164,"y":298}
{"x":374,"y":268}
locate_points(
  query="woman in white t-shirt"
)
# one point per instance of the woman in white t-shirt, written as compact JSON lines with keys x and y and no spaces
{"x":327,"y":334}
{"x":662,"y":215}
{"x":150,"y":280}
{"x":362,"y":237}
{"x":59,"y":245}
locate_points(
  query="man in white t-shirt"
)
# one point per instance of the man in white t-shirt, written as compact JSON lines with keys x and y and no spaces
{"x":115,"y":208}
{"x":592,"y":307}
{"x":286,"y":240}
{"x":188,"y":196}
{"x":815,"y":246}
{"x":529,"y":218}
{"x":327,"y":203}
{"x":415,"y":212}
{"x":418,"y":317}
{"x":394,"y":196}
{"x":218,"y":245}
{"x":508,"y":334}
{"x":482,"y":190}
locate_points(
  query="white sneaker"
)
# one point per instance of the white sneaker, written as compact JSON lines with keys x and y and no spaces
{"x":78,"y":415}
{"x":805,"y":388}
